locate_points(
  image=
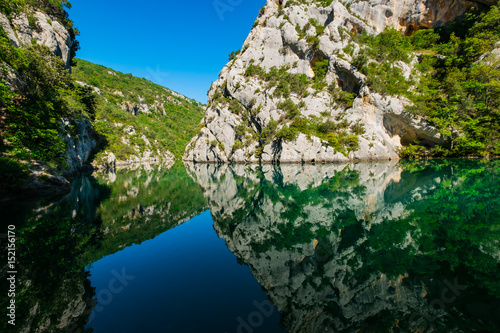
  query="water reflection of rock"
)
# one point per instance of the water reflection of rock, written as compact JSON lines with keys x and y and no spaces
{"x":56,"y":295}
{"x":360,"y":188}
{"x":307,"y":233}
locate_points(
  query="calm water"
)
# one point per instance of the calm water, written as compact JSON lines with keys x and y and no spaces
{"x":366,"y":247}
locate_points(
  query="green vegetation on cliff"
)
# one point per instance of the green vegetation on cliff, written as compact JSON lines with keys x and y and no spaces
{"x":168,"y":120}
{"x":340,"y":134}
{"x":457,"y":86}
{"x":30,"y":114}
{"x":43,"y":106}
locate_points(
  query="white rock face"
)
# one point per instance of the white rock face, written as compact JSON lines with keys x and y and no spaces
{"x":148,"y":157}
{"x":94,"y":89}
{"x":78,"y":147}
{"x":48,"y":32}
{"x":275,"y":42}
{"x":409,"y":15}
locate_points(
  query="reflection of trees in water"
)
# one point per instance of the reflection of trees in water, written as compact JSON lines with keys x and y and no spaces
{"x":371,"y":247}
{"x":144,"y":203}
{"x":59,"y":238}
{"x":53,"y":291}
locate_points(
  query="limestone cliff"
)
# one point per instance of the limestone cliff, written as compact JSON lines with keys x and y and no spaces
{"x":410,"y":15}
{"x":249,"y":115}
{"x":42,"y":28}
{"x":48,"y":27}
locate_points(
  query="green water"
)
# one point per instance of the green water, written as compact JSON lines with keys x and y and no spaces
{"x":365,"y":247}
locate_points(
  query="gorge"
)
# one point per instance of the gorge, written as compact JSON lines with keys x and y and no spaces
{"x":325,"y":186}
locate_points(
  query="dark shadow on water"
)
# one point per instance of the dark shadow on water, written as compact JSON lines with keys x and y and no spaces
{"x":58,"y":237}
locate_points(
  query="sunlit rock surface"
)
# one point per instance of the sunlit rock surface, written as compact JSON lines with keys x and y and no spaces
{"x":274,"y":42}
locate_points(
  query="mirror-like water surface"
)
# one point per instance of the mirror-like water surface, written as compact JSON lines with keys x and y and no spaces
{"x":366,"y":247}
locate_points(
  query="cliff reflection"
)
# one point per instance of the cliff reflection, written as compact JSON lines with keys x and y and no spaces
{"x":143,"y":203}
{"x":104,"y":213}
{"x":367,"y":247}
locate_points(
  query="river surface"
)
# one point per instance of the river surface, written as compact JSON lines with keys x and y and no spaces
{"x":362,"y":247}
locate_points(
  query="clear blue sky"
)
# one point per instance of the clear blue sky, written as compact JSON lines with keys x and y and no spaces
{"x":181,"y":45}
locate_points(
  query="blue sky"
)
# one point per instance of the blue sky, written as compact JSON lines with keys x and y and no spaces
{"x":181,"y":45}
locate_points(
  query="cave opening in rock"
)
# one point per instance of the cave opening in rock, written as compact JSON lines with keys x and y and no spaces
{"x":413,"y":27}
{"x":318,"y":57}
{"x":330,"y":18}
{"x":407,"y":140}
{"x":354,"y":28}
{"x":347,"y":81}
{"x":399,"y":125}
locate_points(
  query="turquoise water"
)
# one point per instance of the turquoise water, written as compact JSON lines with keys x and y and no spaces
{"x":366,"y":247}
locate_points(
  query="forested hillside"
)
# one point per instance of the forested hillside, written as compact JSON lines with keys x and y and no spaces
{"x":59,"y":114}
{"x":128,"y":104}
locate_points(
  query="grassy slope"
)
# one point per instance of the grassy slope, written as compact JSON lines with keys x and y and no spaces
{"x":170,"y":124}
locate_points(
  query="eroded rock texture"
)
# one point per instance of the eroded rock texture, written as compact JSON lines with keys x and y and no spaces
{"x":241,"y":106}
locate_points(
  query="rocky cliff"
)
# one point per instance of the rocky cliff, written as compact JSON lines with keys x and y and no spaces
{"x":48,"y":27}
{"x":295,"y":71}
{"x":409,"y":15}
{"x":57,"y":116}
{"x":42,"y":28}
